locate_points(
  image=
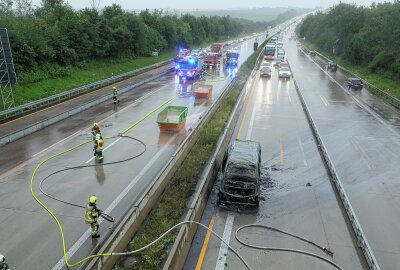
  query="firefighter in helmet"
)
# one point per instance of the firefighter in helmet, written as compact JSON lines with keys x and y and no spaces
{"x":95,"y":130}
{"x":115,"y":95}
{"x":91,"y":216}
{"x":98,"y":147}
{"x":3,"y":264}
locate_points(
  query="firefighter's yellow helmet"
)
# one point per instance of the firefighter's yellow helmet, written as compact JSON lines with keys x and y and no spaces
{"x":92,"y":199}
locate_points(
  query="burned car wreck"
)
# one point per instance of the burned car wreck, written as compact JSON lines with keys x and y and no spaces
{"x":240,"y":184}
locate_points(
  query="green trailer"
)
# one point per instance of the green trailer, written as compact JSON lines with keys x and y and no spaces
{"x":172,"y":118}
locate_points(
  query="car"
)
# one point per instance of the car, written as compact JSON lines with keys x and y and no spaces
{"x":265,"y":71}
{"x":283,"y":64}
{"x":354,"y":83}
{"x":197,"y":53}
{"x":313,"y":53}
{"x":284,"y":72}
{"x":266,"y":64}
{"x":241,"y":173}
{"x":331,"y":66}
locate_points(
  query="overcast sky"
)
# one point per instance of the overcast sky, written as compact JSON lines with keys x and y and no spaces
{"x":211,"y":4}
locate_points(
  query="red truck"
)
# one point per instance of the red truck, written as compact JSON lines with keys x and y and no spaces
{"x":212,"y":59}
{"x":217,"y":48}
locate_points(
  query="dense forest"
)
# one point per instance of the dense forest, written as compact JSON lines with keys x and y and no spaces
{"x":367,"y":36}
{"x":54,"y":35}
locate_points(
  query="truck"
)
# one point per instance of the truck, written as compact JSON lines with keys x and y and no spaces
{"x":190,"y":68}
{"x":281,"y":55}
{"x":181,"y":54}
{"x":172,"y":118}
{"x":217,"y":48}
{"x":211,"y":59}
{"x":269,"y":51}
{"x":231,"y":59}
{"x":241,"y":173}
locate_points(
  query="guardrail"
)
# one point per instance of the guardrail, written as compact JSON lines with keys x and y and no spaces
{"x":357,"y":229}
{"x":181,"y":246}
{"x":56,"y":118}
{"x":35,"y":105}
{"x":372,"y":88}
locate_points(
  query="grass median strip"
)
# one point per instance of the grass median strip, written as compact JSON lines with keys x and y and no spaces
{"x":173,"y":202}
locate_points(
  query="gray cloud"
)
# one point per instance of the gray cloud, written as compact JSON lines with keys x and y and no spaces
{"x":212,"y":4}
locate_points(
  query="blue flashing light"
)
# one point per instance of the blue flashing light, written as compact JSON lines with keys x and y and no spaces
{"x":177,"y":66}
{"x":191,"y":61}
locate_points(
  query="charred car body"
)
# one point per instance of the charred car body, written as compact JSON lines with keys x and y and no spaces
{"x":241,"y":169}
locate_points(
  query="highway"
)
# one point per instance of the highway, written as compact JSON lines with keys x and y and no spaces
{"x":29,"y":236}
{"x":361,"y":134}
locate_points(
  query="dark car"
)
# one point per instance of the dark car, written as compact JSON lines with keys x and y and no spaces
{"x":354,"y":83}
{"x":241,"y":169}
{"x":332,"y":66}
{"x":313,"y":53}
{"x":265,"y":71}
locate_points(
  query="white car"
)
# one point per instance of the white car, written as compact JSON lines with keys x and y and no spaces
{"x":284,"y":72}
{"x":266,"y":64}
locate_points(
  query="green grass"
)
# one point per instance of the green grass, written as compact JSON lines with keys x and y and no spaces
{"x":390,"y":84}
{"x":173,"y":201}
{"x":93,"y":71}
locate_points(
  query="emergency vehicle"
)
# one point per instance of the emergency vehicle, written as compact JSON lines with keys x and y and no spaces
{"x":231,"y":59}
{"x":190,"y":68}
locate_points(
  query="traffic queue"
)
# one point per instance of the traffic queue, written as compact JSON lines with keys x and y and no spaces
{"x":192,"y":65}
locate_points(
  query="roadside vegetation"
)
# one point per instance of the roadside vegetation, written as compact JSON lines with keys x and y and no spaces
{"x":364,"y":40}
{"x":173,"y":201}
{"x":56,"y":48}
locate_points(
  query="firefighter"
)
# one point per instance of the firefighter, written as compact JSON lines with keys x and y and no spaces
{"x":115,"y":95}
{"x":98,"y":147}
{"x":91,"y":216}
{"x":95,"y":130}
{"x":3,"y":264}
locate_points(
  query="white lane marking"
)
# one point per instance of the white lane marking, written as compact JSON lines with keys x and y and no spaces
{"x":105,"y":149}
{"x":288,"y":92}
{"x":223,"y":250}
{"x":302,"y":151}
{"x":60,"y":264}
{"x":38,"y":153}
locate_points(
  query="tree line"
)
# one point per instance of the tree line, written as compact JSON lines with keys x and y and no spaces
{"x":367,"y":36}
{"x":54,"y":34}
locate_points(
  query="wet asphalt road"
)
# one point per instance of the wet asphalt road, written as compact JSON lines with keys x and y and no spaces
{"x":28,"y":235}
{"x":361,"y":134}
